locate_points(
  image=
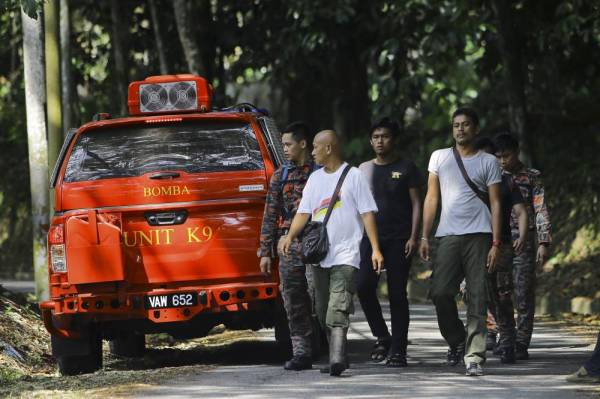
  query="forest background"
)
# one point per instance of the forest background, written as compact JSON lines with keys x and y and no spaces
{"x":531,"y":67}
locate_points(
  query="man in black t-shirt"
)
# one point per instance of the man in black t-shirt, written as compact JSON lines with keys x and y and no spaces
{"x":395,"y":185}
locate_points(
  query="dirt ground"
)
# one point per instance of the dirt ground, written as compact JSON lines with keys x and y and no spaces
{"x":27,"y":369}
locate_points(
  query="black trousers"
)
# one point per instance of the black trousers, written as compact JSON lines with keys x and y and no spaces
{"x":397,"y":267}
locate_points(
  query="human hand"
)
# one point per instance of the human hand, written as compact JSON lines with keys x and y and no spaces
{"x":284,"y":245}
{"x":491,"y":259}
{"x":410,"y":247}
{"x":518,"y":245}
{"x":542,"y":254}
{"x":265,"y":265}
{"x":424,"y":250}
{"x":377,"y":259}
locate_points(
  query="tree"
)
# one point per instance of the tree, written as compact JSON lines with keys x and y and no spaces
{"x":160,"y":46}
{"x":33,"y":62}
{"x":66,"y":74}
{"x":53,"y":81}
{"x":188,"y":36}
{"x":119,"y":46}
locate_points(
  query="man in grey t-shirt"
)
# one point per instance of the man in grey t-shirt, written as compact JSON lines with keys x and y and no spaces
{"x":469,"y":237}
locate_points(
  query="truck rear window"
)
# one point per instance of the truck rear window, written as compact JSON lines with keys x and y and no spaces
{"x":190,"y":146}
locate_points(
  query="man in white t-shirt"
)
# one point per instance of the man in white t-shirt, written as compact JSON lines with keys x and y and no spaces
{"x":352,"y":214}
{"x":469,"y":237}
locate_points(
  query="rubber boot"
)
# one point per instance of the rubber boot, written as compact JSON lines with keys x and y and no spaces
{"x":337,"y":351}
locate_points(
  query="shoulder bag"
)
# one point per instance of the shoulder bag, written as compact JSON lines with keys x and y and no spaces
{"x":482,"y":195}
{"x":315,"y":243}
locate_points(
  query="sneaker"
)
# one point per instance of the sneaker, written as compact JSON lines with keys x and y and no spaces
{"x":474,"y":370}
{"x":490,"y":341}
{"x":507,"y":355}
{"x":582,"y":376}
{"x":455,"y":355}
{"x":298,"y":363}
{"x":521,"y":352}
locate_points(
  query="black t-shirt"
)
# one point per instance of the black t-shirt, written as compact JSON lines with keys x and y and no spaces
{"x":390,"y":184}
{"x":509,"y":196}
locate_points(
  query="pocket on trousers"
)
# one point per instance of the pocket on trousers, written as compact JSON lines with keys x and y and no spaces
{"x":341,"y":299}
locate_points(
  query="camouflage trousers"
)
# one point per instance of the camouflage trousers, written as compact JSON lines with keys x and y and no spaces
{"x":294,"y":289}
{"x":524,"y":282}
{"x":500,"y":303}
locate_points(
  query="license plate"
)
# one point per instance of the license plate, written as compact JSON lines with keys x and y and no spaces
{"x":177,"y":300}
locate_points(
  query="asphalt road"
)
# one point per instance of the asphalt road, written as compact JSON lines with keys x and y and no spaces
{"x":247,"y":370}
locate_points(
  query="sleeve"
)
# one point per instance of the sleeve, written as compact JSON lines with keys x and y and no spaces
{"x":434,"y":163}
{"x":363,"y":196}
{"x":273,"y":206}
{"x":305,"y":205}
{"x":494,"y":171}
{"x":542,"y":216}
{"x":415,"y":177}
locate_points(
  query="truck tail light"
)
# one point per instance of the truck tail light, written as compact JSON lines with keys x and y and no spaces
{"x":56,"y":244}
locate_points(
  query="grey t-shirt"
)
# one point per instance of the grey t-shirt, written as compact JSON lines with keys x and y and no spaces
{"x":462,"y":211}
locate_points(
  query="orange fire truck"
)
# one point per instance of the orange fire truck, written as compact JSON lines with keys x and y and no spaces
{"x":156,"y":224}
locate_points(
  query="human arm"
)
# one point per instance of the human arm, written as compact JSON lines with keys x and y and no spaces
{"x":268,"y":230}
{"x":542,"y":220}
{"x":521,"y":213}
{"x":371,"y":229}
{"x":430,"y":206}
{"x":496,"y":210}
{"x":415,"y":199}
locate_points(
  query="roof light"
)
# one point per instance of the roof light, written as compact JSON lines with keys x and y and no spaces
{"x":169,"y":94}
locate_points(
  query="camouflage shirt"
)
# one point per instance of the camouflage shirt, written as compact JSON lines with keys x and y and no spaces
{"x":282,"y":204}
{"x":530,"y":183}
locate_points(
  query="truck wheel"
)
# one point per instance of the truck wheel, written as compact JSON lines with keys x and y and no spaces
{"x":128,"y":345}
{"x":78,"y":356}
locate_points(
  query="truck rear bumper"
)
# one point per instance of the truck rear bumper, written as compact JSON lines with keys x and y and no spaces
{"x":134,"y":304}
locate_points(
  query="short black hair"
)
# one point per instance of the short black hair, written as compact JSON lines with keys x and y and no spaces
{"x":506,"y":142}
{"x":484,"y":143}
{"x":300,"y":131}
{"x":468,"y":112}
{"x":386,"y":123}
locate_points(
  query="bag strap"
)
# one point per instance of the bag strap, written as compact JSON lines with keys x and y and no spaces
{"x":483,"y":196}
{"x":334,"y":197}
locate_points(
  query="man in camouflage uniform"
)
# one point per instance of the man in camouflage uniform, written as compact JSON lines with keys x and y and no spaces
{"x":285,"y":192}
{"x":524,"y":272}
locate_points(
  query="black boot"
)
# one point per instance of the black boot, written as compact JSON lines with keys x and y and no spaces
{"x":507,"y":355}
{"x":337,"y":351}
{"x":521,"y":352}
{"x":298,"y":363}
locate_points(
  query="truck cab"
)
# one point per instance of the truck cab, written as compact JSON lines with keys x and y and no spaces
{"x":156,"y":224}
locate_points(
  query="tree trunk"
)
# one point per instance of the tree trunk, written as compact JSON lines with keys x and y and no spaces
{"x":65,"y":66}
{"x":53,"y":83}
{"x":118,"y":42}
{"x":188,"y":36}
{"x":351,"y":107}
{"x":514,"y":77}
{"x":33,"y":62}
{"x":160,"y":46}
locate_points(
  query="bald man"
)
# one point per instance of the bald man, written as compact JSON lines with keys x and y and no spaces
{"x":352,"y":214}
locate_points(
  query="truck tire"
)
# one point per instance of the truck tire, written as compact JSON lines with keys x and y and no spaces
{"x":128,"y":345}
{"x":78,"y":356}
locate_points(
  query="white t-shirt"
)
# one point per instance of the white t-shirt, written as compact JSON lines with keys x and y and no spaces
{"x":345,"y":227}
{"x":462,"y":211}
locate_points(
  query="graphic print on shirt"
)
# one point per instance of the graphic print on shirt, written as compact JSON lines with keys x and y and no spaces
{"x":321,"y":210}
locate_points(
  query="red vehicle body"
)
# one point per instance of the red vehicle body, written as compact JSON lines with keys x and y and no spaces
{"x":156,"y":225}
